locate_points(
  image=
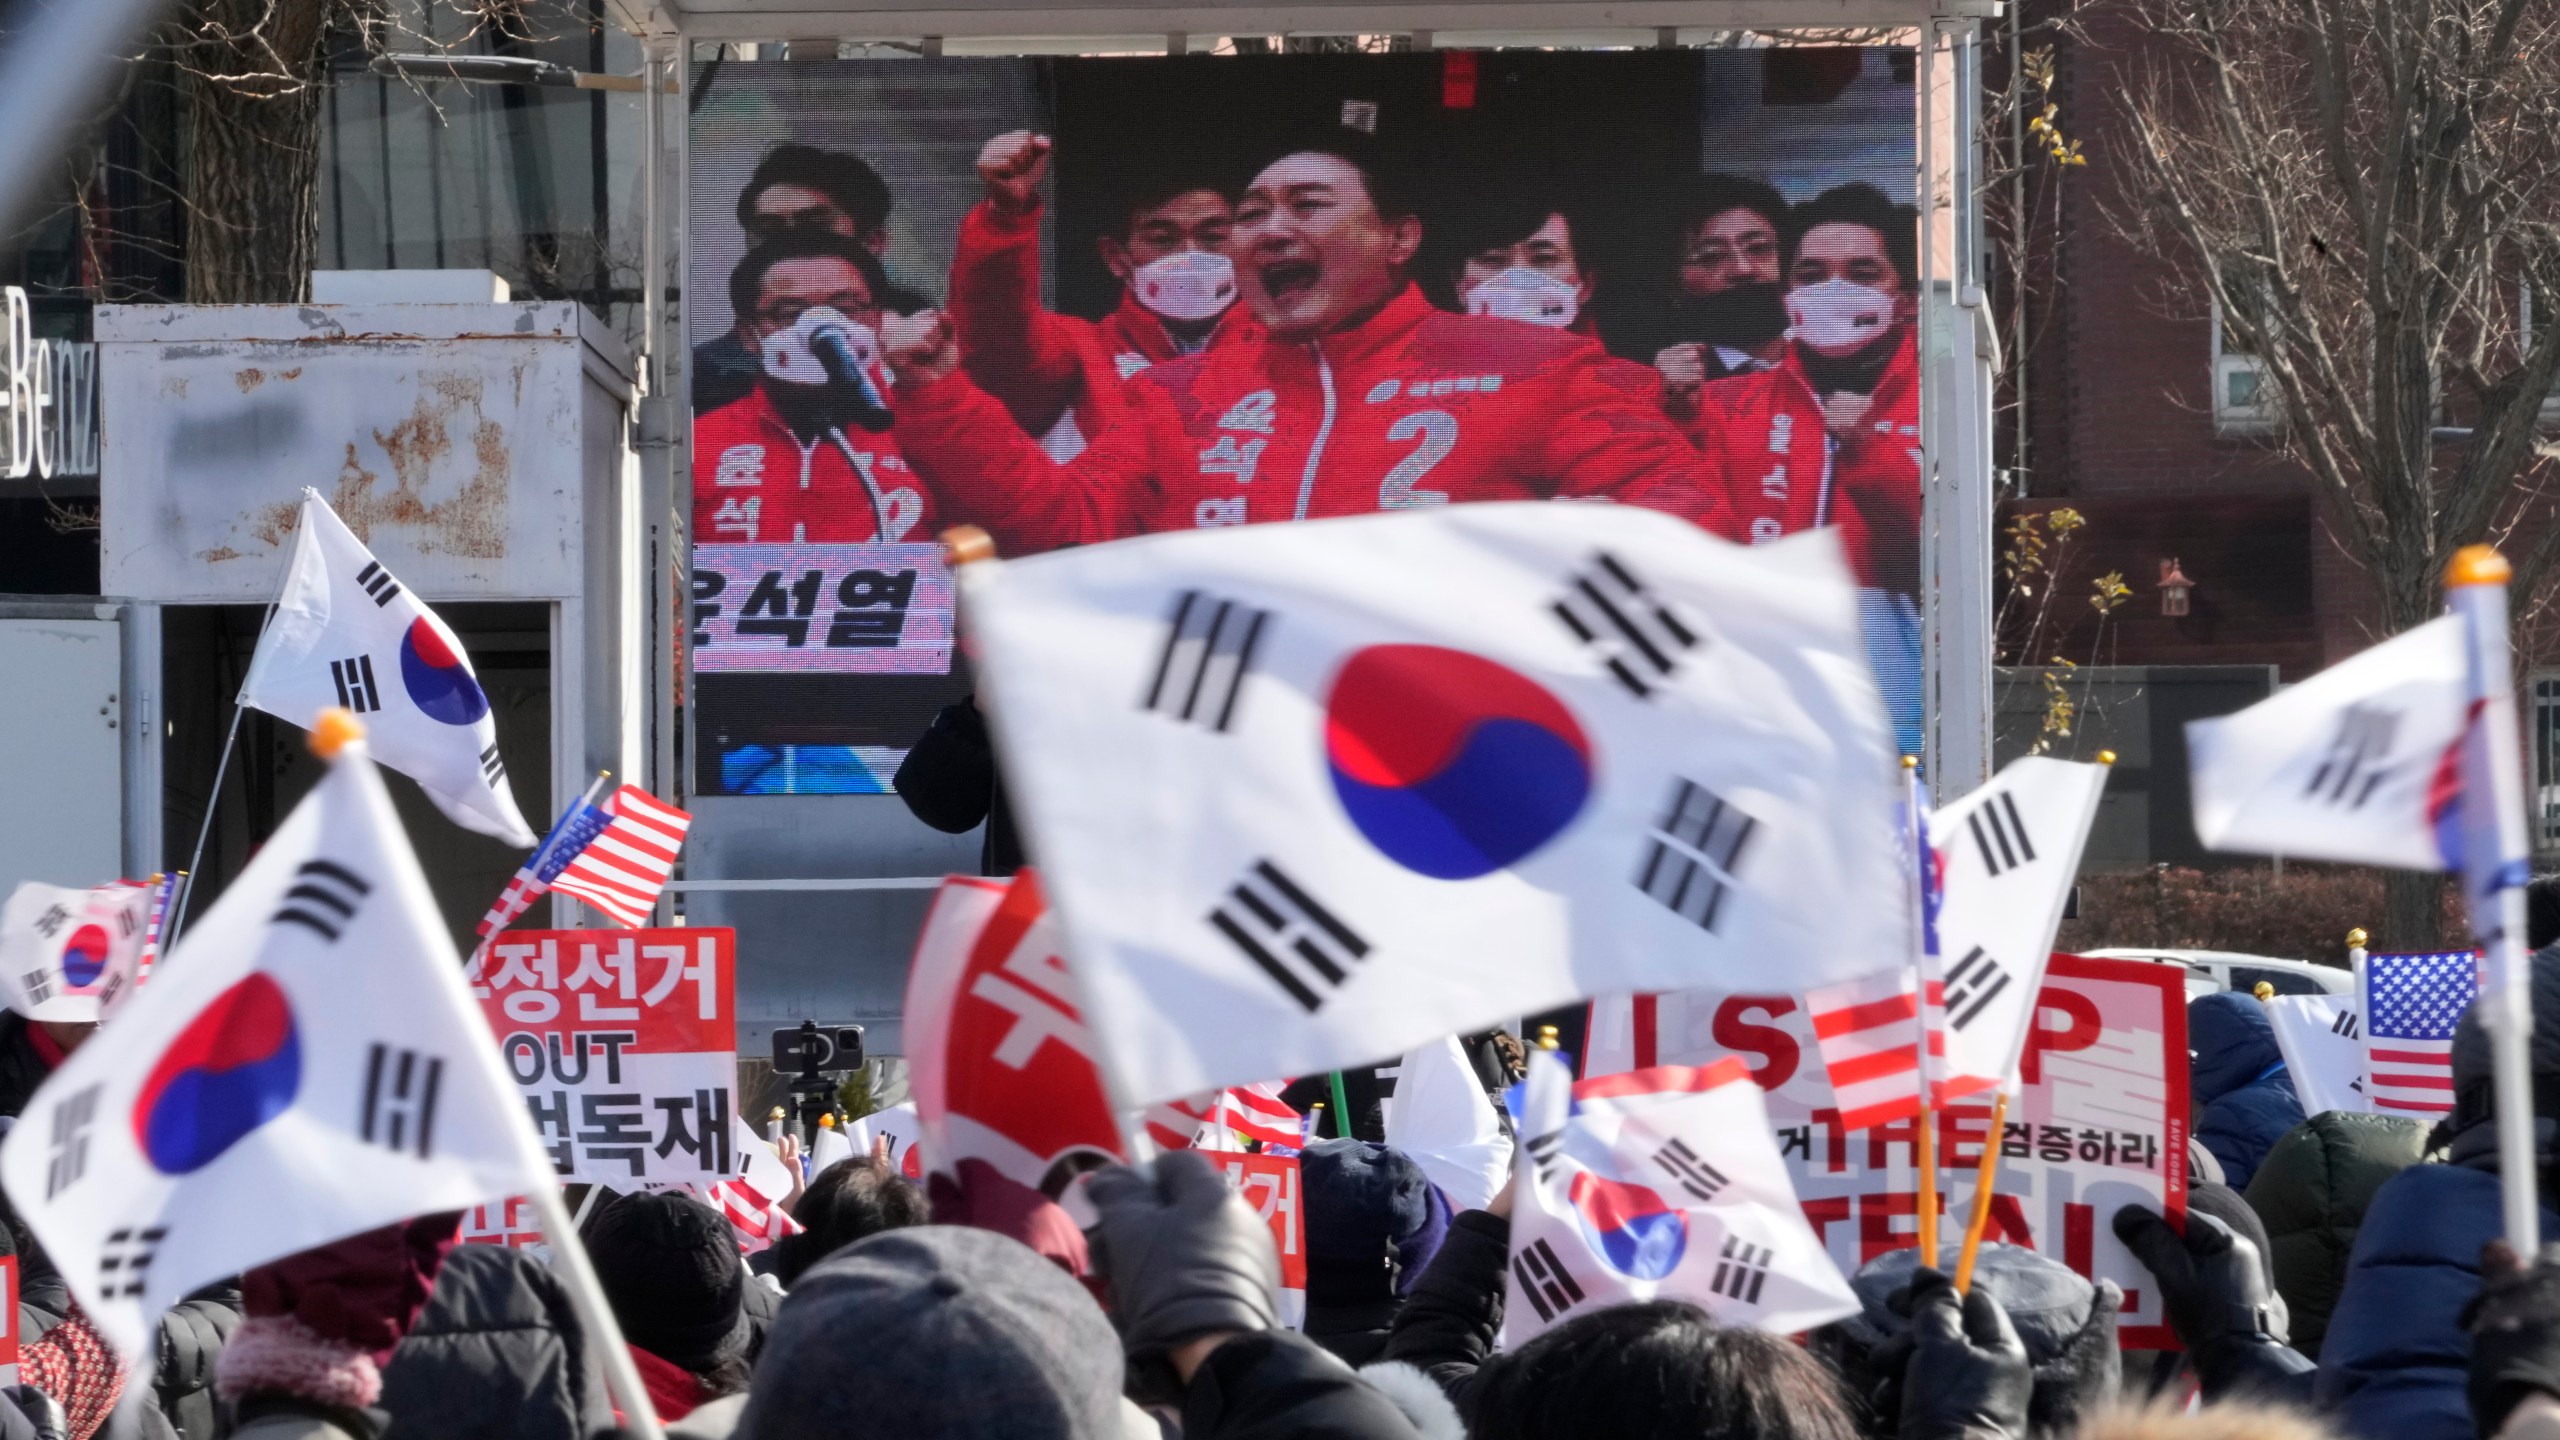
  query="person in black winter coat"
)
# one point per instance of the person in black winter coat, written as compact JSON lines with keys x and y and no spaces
{"x":951,"y":781}
{"x":499,"y":1353}
{"x":2238,"y":1077}
{"x":1372,"y":1221}
{"x":2395,"y":1355}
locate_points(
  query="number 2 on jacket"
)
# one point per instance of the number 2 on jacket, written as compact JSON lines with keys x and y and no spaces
{"x":1439,"y":432}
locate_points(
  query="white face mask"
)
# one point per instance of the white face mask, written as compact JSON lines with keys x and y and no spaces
{"x":1523,"y":294}
{"x":790,"y":358}
{"x":1837,"y":318}
{"x":1189,"y":285}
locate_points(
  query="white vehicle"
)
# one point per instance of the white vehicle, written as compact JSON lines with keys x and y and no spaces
{"x":2212,"y":970}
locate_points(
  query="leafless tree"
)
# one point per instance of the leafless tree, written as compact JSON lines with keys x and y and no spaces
{"x":251,"y":75}
{"x":2369,"y":191}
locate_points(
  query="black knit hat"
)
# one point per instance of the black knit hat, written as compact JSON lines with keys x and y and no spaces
{"x":670,"y":1267}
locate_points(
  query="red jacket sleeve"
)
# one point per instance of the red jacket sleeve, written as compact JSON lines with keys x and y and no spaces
{"x":1605,"y":436}
{"x":986,"y":471}
{"x":1014,"y":347}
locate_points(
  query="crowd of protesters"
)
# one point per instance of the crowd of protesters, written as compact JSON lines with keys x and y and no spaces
{"x":2352,"y":1285}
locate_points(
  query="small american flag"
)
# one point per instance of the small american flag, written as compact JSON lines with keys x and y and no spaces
{"x":1258,"y":1113}
{"x":615,"y":856}
{"x":758,"y":1221}
{"x":2411,"y":1005}
{"x":1869,"y":1034}
{"x":1255,"y":1111}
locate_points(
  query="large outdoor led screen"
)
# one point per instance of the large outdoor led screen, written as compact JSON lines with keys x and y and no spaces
{"x":1217,"y":290}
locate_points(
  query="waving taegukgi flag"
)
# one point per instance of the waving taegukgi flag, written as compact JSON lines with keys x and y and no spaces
{"x":1001,"y":1060}
{"x":1313,"y":794}
{"x":2322,"y":1040}
{"x":73,"y":955}
{"x":2005,"y":856}
{"x":348,"y":634}
{"x":2359,"y":763}
{"x":1665,"y":1184}
{"x":308,"y":1065}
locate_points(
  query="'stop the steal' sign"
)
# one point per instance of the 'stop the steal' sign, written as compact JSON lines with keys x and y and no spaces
{"x":625,"y":1042}
{"x":2100,"y":1122}
{"x":843,"y":609}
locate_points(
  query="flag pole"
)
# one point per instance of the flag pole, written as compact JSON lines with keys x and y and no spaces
{"x":331,"y":732}
{"x":1341,"y":1108}
{"x":1925,"y":1144}
{"x":2493,"y":884}
{"x":221,"y":767}
{"x":1986,"y":1178}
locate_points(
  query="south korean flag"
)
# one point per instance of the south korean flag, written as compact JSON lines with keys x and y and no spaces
{"x":72,"y":956}
{"x":348,"y":634}
{"x":1666,"y":1184}
{"x":1307,"y":795}
{"x":2006,"y":857}
{"x":2359,"y":763}
{"x":308,"y":1064}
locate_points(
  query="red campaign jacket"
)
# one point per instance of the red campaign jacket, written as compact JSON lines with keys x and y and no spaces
{"x":1779,"y":472}
{"x":1412,"y":407}
{"x":755,"y":482}
{"x":1038,"y":363}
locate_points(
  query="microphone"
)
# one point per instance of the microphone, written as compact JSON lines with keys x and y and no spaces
{"x":833,"y":346}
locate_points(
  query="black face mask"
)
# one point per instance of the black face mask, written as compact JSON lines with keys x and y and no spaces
{"x":1745,"y":317}
{"x":1858,"y":372}
{"x":813,"y":410}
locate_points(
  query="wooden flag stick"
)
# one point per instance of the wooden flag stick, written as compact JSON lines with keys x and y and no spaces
{"x":1928,"y":1163}
{"x":1986,"y":1180}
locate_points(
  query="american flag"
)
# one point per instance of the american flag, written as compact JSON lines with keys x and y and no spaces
{"x":1869,"y":1030}
{"x":1258,"y":1113}
{"x":162,"y":888}
{"x":1869,"y":1034}
{"x":758,"y":1222}
{"x":615,"y":856}
{"x":1255,"y":1111}
{"x":2411,"y":1005}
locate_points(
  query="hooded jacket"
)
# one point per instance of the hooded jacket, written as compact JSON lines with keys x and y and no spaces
{"x":498,"y":1352}
{"x":2238,"y":1076}
{"x":2312,"y":1192}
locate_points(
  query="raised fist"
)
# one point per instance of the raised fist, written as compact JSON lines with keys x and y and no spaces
{"x":1011,"y":165}
{"x":919,"y":345}
{"x":1684,"y":372}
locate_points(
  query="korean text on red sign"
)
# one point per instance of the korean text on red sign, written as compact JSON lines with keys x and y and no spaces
{"x":625,"y":1042}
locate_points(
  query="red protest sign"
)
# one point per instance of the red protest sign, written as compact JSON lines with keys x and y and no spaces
{"x":8,"y":1319}
{"x":1000,"y":1058}
{"x":625,"y":1043}
{"x":1269,"y":1183}
{"x":2100,"y":1121}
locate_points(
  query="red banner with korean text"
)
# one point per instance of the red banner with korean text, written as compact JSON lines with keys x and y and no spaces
{"x":625,"y":1044}
{"x":2100,"y":1121}
{"x":1269,"y":1183}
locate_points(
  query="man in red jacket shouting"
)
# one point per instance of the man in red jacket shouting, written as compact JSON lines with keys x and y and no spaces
{"x":1357,"y":396}
{"x":1062,"y":376}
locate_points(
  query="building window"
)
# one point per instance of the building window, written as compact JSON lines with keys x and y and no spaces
{"x":2544,"y":811}
{"x":2243,"y":403}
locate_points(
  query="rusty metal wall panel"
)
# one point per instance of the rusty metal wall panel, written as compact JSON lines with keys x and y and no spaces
{"x":454,"y":439}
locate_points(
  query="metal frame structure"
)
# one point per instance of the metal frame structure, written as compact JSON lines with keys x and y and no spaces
{"x":1958,"y":340}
